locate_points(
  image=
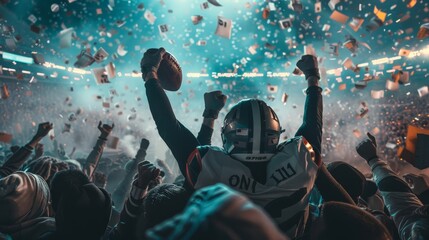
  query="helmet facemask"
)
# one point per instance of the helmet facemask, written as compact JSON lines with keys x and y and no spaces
{"x":251,"y":131}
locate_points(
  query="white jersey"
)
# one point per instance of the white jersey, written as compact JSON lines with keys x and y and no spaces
{"x":291,"y":173}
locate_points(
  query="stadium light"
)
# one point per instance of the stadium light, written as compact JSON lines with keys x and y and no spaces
{"x":17,"y":58}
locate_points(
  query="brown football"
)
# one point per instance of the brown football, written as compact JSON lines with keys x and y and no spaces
{"x":170,"y":73}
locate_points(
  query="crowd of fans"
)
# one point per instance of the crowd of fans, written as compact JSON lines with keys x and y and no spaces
{"x":50,"y":194}
{"x":388,"y":120}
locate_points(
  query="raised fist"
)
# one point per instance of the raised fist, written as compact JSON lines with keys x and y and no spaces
{"x":309,"y":66}
{"x":141,"y":153}
{"x":147,"y":174}
{"x":144,"y":144}
{"x":214,"y":102}
{"x":105,"y":129}
{"x":367,"y":149}
{"x":44,"y":128}
{"x":151,"y":60}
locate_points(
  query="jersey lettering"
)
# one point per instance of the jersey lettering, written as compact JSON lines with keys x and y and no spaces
{"x":256,"y":158}
{"x":283,"y":173}
{"x":290,"y":174}
{"x":243,"y":183}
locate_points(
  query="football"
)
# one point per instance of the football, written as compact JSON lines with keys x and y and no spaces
{"x":169,"y":72}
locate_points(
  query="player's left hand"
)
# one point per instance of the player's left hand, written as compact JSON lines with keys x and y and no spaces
{"x":214,"y":102}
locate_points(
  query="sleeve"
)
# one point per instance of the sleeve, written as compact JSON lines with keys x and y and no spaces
{"x":126,"y":228}
{"x":94,"y":157}
{"x":386,"y":179}
{"x":194,"y":165}
{"x":120,"y":193}
{"x":205,"y":135}
{"x":177,"y":137}
{"x":311,"y":128}
{"x":398,"y":197}
{"x":15,"y":162}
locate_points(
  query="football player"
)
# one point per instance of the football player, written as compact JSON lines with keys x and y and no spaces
{"x":278,"y":177}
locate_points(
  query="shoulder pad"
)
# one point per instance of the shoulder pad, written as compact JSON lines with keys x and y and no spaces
{"x":288,"y":141}
{"x":204,"y":149}
{"x":303,"y":147}
{"x":308,"y":148}
{"x":194,"y":162}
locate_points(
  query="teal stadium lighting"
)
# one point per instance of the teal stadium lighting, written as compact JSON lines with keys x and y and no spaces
{"x":17,"y":58}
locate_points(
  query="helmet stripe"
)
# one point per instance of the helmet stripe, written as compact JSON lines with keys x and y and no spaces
{"x":256,"y":113}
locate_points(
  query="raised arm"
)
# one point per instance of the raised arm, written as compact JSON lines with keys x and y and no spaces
{"x":38,"y":151}
{"x":177,"y":137}
{"x":311,"y":128}
{"x":397,"y":195}
{"x":214,"y":102}
{"x":420,"y":185}
{"x":148,"y":177}
{"x":120,"y":193}
{"x":15,"y":162}
{"x":95,"y":155}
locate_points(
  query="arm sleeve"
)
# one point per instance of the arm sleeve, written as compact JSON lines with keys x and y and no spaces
{"x":177,"y":137}
{"x":15,"y":162}
{"x":94,"y":157}
{"x":126,"y":228}
{"x":311,"y":127}
{"x":386,"y":179}
{"x":398,"y":197}
{"x":36,"y":155}
{"x":120,"y":193}
{"x":123,"y":189}
{"x":205,"y":135}
{"x":311,"y":130}
{"x":329,"y":188}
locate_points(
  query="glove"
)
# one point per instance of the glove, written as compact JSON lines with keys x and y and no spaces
{"x":308,"y":65}
{"x":151,"y":60}
{"x":147,"y":172}
{"x":148,"y":176}
{"x":214,"y":102}
{"x":367,"y":149}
